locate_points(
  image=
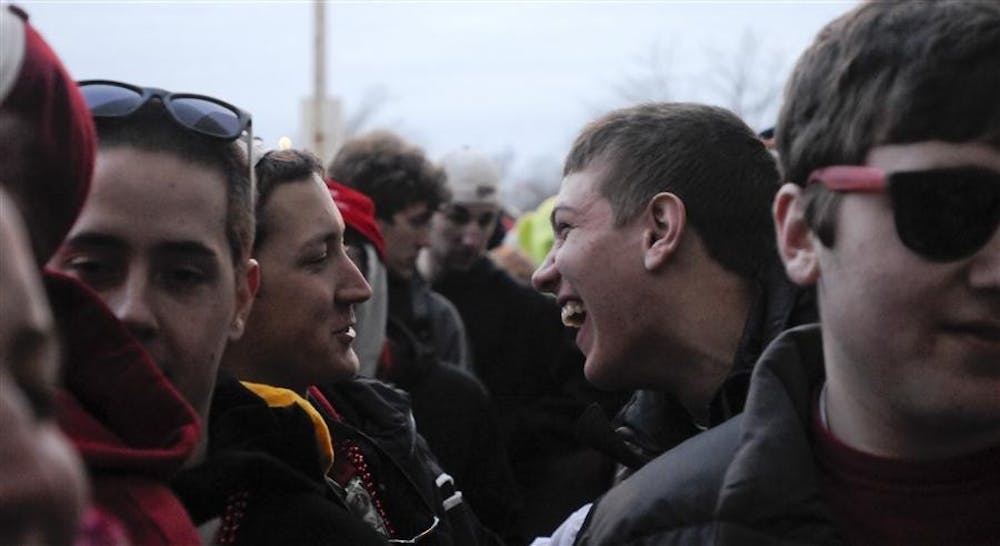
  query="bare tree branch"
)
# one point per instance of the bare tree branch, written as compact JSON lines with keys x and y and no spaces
{"x":536,"y":180}
{"x":651,"y":78}
{"x":746,"y":79}
{"x":374,"y":99}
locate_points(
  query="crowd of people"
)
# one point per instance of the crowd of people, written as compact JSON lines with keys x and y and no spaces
{"x":708,"y":336}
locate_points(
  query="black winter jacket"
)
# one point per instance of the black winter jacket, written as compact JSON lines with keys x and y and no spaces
{"x":453,"y":411}
{"x":263,"y":478}
{"x":751,"y":480}
{"x":418,"y":494}
{"x":431,"y":318}
{"x":455,"y":415}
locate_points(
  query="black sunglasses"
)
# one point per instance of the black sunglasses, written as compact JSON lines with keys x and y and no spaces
{"x":940,"y":214}
{"x":202,"y":114}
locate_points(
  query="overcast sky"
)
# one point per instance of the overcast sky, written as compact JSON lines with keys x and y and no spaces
{"x":515,"y":78}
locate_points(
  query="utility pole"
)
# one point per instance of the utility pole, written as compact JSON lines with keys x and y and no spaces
{"x":319,"y":79}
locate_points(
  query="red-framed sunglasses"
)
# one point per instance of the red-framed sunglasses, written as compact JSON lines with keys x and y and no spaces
{"x":941,"y":214}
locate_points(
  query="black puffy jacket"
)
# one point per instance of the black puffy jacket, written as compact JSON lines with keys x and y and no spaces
{"x":751,"y":480}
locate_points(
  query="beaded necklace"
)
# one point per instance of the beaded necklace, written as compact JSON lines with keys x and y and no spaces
{"x":232,"y":516}
{"x":357,"y":460}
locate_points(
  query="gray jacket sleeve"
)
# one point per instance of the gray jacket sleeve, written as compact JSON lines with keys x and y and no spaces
{"x":450,"y":340}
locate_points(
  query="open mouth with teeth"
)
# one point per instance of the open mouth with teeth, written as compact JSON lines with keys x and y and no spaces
{"x":573,"y":314}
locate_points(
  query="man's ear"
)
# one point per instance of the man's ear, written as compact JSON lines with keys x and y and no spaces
{"x":247,"y":284}
{"x":796,"y":243}
{"x":665,"y":219}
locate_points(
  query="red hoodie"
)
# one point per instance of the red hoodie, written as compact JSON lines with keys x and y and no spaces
{"x":132,"y":428}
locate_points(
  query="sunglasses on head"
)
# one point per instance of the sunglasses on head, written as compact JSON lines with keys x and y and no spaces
{"x":202,"y":114}
{"x":941,"y":214}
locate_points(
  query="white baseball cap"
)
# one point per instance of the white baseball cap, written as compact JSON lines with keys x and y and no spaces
{"x":472,"y":177}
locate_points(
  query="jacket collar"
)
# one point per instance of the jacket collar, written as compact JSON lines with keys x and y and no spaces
{"x":655,"y":422}
{"x":772,"y":481}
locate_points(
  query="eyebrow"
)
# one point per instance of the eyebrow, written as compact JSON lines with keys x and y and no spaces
{"x":91,"y":239}
{"x":332,"y":235}
{"x":111,"y":242}
{"x":192,"y":248}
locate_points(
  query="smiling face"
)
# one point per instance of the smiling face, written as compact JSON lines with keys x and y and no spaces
{"x":405,"y":235}
{"x":42,"y":487}
{"x":914,"y":343}
{"x":151,"y":241}
{"x":594,"y":268}
{"x":301,"y":330}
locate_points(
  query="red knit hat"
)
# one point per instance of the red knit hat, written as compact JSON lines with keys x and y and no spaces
{"x":58,"y":143}
{"x":358,"y":212}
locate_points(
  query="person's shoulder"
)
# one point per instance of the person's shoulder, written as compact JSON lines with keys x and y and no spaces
{"x":529,"y":302}
{"x":371,"y":394}
{"x":671,"y":499}
{"x":487,"y":273}
{"x":457,"y":382}
{"x":442,"y":306}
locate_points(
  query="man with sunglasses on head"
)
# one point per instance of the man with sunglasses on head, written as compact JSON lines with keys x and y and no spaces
{"x":882,"y":424}
{"x":163,"y":240}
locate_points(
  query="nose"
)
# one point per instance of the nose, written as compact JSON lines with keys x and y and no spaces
{"x":130,"y":303}
{"x":546,"y":278}
{"x":351,"y":286}
{"x":472,"y":235}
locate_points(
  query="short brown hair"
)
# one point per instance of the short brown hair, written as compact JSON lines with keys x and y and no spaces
{"x":279,"y":167}
{"x":392,"y":173}
{"x":703,"y":154}
{"x":889,"y":73}
{"x":151,"y":129}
